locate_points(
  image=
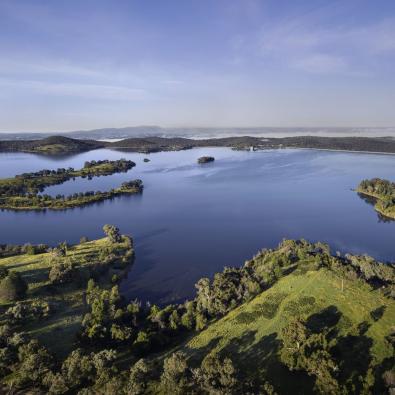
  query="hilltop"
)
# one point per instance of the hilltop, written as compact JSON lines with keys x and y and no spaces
{"x":50,"y":145}
{"x":344,"y":310}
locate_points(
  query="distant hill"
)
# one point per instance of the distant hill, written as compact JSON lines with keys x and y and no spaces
{"x":155,"y":144}
{"x":205,"y":132}
{"x":50,"y":145}
{"x":64,"y":145}
{"x":379,"y":144}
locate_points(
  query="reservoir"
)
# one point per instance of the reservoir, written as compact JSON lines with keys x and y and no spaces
{"x":192,"y":220}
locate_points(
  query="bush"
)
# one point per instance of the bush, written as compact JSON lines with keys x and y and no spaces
{"x":35,"y":364}
{"x":3,"y":272}
{"x":61,"y":273}
{"x":112,"y":233}
{"x":12,"y":287}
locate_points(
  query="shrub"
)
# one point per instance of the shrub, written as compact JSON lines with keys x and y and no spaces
{"x":112,"y":233}
{"x":61,"y":273}
{"x":12,"y":287}
{"x":3,"y":272}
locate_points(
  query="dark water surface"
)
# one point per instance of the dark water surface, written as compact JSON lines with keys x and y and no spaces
{"x":192,"y":220}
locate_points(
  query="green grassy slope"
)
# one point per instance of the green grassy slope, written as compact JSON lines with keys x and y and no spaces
{"x":57,"y":332}
{"x":250,"y":334}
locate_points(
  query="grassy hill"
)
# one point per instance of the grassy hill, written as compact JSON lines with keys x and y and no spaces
{"x":359,"y":318}
{"x":53,"y":145}
{"x":64,"y":301}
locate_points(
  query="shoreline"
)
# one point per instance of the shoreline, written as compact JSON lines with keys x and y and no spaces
{"x":340,"y":150}
{"x":378,"y":199}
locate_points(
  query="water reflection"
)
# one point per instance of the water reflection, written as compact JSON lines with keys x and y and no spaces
{"x":372,"y":201}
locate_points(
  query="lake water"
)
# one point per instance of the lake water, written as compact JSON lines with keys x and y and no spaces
{"x":192,"y":220}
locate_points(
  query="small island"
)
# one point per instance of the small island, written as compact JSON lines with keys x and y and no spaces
{"x":146,"y":160}
{"x":206,"y":159}
{"x":383,"y":191}
{"x":24,"y":192}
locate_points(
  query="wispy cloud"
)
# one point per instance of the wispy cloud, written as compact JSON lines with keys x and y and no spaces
{"x":88,"y":91}
{"x":46,"y":68}
{"x":173,"y":82}
{"x":321,"y":64}
{"x":303,"y":44}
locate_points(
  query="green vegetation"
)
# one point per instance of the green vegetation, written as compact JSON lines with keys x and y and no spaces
{"x":383,"y":191}
{"x":12,"y":286}
{"x":56,"y":283}
{"x":60,"y":202}
{"x":32,"y":183}
{"x":291,"y":320}
{"x":23,"y":191}
{"x":53,"y":145}
{"x":206,"y":159}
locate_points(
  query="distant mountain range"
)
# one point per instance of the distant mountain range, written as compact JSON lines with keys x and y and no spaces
{"x":204,"y":133}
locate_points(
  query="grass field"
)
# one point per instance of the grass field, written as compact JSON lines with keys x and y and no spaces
{"x":359,"y":317}
{"x":58,"y":331}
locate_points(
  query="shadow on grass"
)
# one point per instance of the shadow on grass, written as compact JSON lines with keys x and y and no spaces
{"x":377,"y":313}
{"x":259,"y":361}
{"x":324,"y":320}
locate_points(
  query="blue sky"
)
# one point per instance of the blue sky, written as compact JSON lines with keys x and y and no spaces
{"x":70,"y":65}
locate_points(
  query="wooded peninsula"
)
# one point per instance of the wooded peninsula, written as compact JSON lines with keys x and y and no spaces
{"x":383,"y":191}
{"x":24,"y":191}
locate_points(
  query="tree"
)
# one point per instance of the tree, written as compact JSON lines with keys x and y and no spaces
{"x":29,"y":249}
{"x":174,"y":320}
{"x":12,"y":287}
{"x":3,"y":272}
{"x":175,"y":378}
{"x":142,"y":342}
{"x":55,"y":383}
{"x":294,"y":336}
{"x":303,"y":350}
{"x":120,"y":333}
{"x":35,"y":364}
{"x":62,"y":272}
{"x":137,"y":383}
{"x":216,"y":376}
{"x":112,"y":233}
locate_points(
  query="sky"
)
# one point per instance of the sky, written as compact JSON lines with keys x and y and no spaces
{"x":72,"y":65}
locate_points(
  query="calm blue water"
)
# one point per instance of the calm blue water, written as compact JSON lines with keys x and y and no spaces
{"x":193,"y":220}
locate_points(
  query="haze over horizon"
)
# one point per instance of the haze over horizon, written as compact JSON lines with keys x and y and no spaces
{"x":225,"y":63}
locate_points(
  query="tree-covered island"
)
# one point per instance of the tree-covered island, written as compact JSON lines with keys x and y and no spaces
{"x":383,"y":191}
{"x":206,"y":159}
{"x":24,"y":192}
{"x":295,"y":319}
